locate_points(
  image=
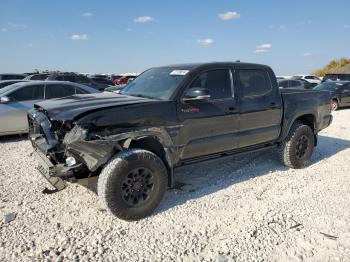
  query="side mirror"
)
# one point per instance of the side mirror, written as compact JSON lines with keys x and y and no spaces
{"x":4,"y":100}
{"x":196,"y":94}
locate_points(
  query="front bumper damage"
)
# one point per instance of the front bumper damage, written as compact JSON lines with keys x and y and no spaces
{"x":46,"y":145}
{"x":48,"y":170}
{"x":90,"y":150}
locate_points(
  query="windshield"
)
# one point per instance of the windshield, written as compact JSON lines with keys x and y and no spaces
{"x":158,"y":83}
{"x":9,"y":87}
{"x":327,"y":86}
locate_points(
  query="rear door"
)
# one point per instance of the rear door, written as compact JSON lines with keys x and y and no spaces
{"x":261,"y":107}
{"x":209,"y":126}
{"x":13,"y":115}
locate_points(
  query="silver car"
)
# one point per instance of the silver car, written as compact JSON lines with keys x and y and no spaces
{"x":17,"y":99}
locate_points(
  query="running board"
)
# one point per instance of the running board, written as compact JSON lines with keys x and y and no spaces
{"x":226,"y":154}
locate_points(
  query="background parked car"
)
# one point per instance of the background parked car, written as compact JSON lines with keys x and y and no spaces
{"x":41,"y":76}
{"x":77,"y":78}
{"x":99,"y":76}
{"x":309,"y":78}
{"x":114,"y":78}
{"x":103,"y":81}
{"x":17,"y":99}
{"x":336,"y":77}
{"x":114,"y":89}
{"x":287,"y":83}
{"x":10,"y":82}
{"x":307,"y":84}
{"x":11,"y":76}
{"x":124,"y":80}
{"x":340,"y":92}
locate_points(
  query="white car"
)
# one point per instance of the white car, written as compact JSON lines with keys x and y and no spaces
{"x":309,"y":78}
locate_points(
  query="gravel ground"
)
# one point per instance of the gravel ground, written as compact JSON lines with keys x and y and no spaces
{"x":248,"y":209}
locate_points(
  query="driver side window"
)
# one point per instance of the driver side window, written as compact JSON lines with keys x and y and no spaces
{"x":217,"y":82}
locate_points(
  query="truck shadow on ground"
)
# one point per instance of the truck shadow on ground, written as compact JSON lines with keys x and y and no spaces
{"x":13,"y":138}
{"x":203,"y":179}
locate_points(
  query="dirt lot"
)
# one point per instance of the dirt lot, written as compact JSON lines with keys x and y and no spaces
{"x":248,"y":209}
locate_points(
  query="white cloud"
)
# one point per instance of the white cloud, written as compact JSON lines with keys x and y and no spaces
{"x":307,"y":54}
{"x":205,"y":42}
{"x":143,"y":19}
{"x":260,"y":51}
{"x":346,"y":26}
{"x":229,"y":16}
{"x":78,"y":37}
{"x":86,"y":14}
{"x":129,"y":30}
{"x":264,"y":46}
{"x":22,"y":26}
{"x":3,"y":30}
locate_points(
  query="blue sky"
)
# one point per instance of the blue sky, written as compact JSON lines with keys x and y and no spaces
{"x":131,"y":36}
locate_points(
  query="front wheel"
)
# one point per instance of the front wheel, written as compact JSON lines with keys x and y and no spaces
{"x":297,"y":148}
{"x":132,"y":184}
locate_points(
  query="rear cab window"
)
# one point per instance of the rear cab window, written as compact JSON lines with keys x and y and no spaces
{"x":254,"y":82}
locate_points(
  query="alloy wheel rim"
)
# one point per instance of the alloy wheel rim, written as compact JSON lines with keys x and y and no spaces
{"x":137,"y":186}
{"x":302,"y":146}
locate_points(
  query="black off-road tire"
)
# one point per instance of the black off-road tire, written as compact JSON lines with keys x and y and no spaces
{"x":116,"y":173}
{"x":289,"y":153}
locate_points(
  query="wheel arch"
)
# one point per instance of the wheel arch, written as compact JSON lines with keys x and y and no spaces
{"x":308,"y":119}
{"x":154,"y":145}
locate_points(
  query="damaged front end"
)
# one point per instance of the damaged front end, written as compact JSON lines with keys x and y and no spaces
{"x":67,"y":152}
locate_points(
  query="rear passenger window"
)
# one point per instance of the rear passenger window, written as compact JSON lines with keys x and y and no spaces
{"x":293,"y":83}
{"x":56,"y":91}
{"x":218,"y":83}
{"x":254,"y":82}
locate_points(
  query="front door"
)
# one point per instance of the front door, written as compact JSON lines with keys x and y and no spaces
{"x":209,"y":126}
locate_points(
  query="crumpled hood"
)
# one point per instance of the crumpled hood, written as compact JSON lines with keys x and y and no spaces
{"x":68,"y":108}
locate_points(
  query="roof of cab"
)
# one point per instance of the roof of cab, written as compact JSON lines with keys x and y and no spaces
{"x":191,"y":66}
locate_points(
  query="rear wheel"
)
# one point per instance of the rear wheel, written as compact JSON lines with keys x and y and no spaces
{"x":335,"y":104}
{"x":132,"y":184}
{"x":297,"y":148}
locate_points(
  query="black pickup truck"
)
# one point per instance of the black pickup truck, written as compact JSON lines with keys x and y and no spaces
{"x":169,"y":117}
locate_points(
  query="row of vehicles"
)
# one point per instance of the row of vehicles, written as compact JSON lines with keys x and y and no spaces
{"x":98,"y":81}
{"x":19,"y":93}
{"x":309,"y":81}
